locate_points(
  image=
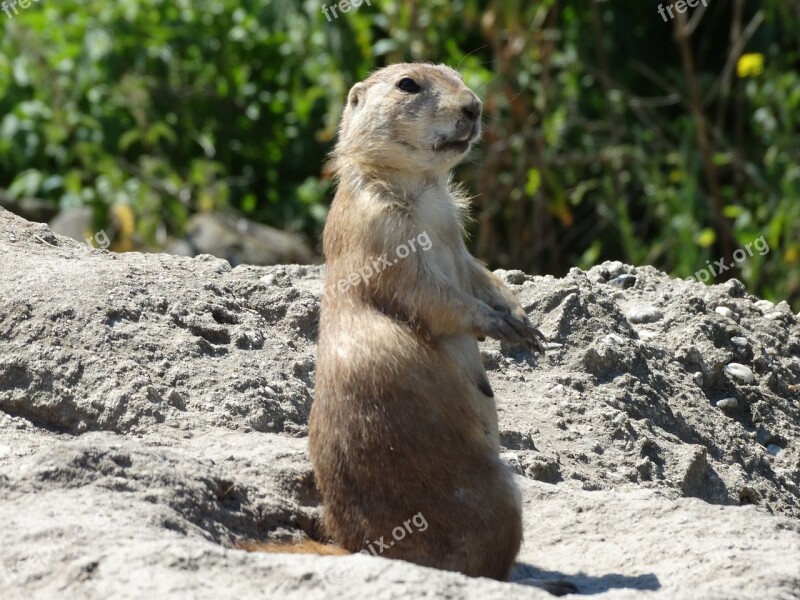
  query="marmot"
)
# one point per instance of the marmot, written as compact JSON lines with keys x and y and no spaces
{"x":404,"y":422}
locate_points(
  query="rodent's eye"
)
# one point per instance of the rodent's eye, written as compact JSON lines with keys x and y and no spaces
{"x":409,"y":85}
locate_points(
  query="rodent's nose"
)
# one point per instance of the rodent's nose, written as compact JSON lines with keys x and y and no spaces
{"x":472,"y":110}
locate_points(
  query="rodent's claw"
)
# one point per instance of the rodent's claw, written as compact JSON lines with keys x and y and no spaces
{"x":498,"y":325}
{"x":535,"y":339}
{"x":520,"y":326}
{"x":538,"y":341}
{"x":511,"y":329}
{"x":532,"y":337}
{"x":515,"y":329}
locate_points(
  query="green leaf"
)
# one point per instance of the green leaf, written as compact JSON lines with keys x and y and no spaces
{"x":26,"y":183}
{"x":534,"y":182}
{"x":706,"y":238}
{"x":129,"y":138}
{"x":733,"y":211}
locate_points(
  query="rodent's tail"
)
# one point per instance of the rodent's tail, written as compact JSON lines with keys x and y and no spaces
{"x":307,"y":547}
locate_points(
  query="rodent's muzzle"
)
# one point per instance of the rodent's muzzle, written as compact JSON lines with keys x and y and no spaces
{"x":467,"y":128}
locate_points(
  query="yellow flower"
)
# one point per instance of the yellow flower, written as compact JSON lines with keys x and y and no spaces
{"x":750,"y":65}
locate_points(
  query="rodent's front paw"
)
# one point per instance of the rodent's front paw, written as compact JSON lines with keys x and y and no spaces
{"x":536,"y":340}
{"x":514,"y":329}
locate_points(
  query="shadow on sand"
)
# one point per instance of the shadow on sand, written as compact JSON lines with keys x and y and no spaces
{"x":587,"y":584}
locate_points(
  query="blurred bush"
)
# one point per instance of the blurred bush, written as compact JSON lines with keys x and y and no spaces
{"x":611,"y":133}
{"x":171,"y":107}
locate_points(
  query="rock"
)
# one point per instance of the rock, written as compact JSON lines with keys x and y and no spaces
{"x":740,"y":372}
{"x":647,"y":335}
{"x":33,"y":209}
{"x":513,"y":277}
{"x":615,"y":268}
{"x":597,"y":278}
{"x":727,"y":312}
{"x":739,"y":341}
{"x":774,"y":449}
{"x":612,"y":339}
{"x":644,"y":313}
{"x":154,"y":411}
{"x":241,"y":241}
{"x":764,"y":306}
{"x":512,"y":459}
{"x":734,"y":288}
{"x":78,"y":223}
{"x":624,"y":281}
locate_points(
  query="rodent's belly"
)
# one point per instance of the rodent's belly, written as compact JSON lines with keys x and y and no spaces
{"x":463,"y":349}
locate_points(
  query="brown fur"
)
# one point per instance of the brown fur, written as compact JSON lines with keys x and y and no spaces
{"x":306,"y":547}
{"x":404,"y":420}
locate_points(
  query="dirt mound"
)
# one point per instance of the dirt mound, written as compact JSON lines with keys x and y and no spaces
{"x":153,"y":410}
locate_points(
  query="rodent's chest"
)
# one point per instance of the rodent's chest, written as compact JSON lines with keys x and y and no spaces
{"x":437,"y":216}
{"x":435,"y":211}
{"x":443,"y":258}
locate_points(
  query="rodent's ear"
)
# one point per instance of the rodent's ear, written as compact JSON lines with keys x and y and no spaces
{"x":356,"y":95}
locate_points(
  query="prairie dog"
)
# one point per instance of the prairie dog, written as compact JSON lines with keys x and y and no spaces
{"x":404,"y":420}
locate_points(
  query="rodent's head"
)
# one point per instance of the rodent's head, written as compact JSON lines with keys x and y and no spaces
{"x":412,"y":117}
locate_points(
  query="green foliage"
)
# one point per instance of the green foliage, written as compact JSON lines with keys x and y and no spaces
{"x":170,"y":107}
{"x":596,"y":145}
